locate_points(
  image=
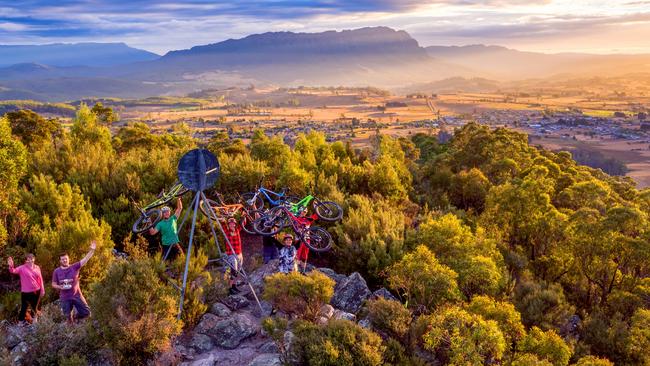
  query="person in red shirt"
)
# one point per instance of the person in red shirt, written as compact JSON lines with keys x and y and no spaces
{"x":301,"y":256}
{"x":31,"y":286}
{"x":234,"y":256}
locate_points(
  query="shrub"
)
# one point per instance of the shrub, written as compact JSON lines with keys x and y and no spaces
{"x":74,"y":345}
{"x":546,"y":345}
{"x":396,"y":355}
{"x":425,"y":282}
{"x":528,"y":359}
{"x":639,"y":339}
{"x":503,"y":313}
{"x":135,"y":310}
{"x":594,"y":361}
{"x":340,"y":342}
{"x":457,"y":337}
{"x":198,"y":280}
{"x":390,"y":317}
{"x":296,"y":294}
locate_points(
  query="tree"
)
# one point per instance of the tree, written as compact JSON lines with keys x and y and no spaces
{"x":425,"y":282}
{"x":135,"y":311}
{"x":31,"y":128}
{"x":546,"y":345}
{"x":504,"y":313}
{"x":105,"y":115}
{"x":457,"y":337}
{"x":13,"y":166}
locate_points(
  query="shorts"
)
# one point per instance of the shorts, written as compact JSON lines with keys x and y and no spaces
{"x":235,"y":261}
{"x":79,"y":304}
{"x":303,"y":253}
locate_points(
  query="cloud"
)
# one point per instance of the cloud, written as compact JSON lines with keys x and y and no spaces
{"x":172,"y":24}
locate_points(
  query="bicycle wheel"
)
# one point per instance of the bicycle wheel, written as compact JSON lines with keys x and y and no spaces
{"x":181,"y":191}
{"x":268,"y":225}
{"x":206,"y":207}
{"x":248,"y":220}
{"x":147,"y":221}
{"x":318,"y":239}
{"x":328,"y":210}
{"x":256,"y":204}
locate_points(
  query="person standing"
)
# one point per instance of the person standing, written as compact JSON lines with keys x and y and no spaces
{"x":287,"y":255}
{"x":31,"y":286}
{"x":168,"y":229}
{"x":270,"y":246}
{"x":235,"y":258}
{"x":66,"y":280}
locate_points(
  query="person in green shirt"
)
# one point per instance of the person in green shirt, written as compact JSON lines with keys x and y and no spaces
{"x":168,"y":229}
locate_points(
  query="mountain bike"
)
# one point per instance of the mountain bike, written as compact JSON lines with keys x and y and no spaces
{"x":326,"y":210}
{"x":257,"y":198}
{"x":216,"y":209}
{"x":316,"y":238}
{"x":151,"y":214}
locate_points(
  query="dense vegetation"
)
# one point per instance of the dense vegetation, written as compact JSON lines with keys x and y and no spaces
{"x":503,"y":253}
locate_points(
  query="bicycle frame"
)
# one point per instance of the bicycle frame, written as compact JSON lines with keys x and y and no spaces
{"x":296,"y":208}
{"x":164,"y":197}
{"x":267,"y":193}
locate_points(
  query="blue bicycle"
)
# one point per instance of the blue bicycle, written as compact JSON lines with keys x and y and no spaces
{"x":256,"y":199}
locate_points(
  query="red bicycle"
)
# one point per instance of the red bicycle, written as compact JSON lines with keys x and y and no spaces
{"x":316,"y":238}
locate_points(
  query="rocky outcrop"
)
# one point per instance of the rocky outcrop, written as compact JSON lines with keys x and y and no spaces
{"x":350,"y":293}
{"x":227,"y":332}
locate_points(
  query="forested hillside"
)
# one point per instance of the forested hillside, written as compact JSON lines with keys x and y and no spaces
{"x":499,"y":253}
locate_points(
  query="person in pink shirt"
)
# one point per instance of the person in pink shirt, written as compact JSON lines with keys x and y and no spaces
{"x":31,"y":286}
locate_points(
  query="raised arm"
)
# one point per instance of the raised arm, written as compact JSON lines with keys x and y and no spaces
{"x":179,"y":207}
{"x":84,"y":260}
{"x":10,"y":262}
{"x":40,"y":282}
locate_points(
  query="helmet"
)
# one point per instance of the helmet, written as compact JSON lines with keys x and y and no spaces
{"x":165,"y":209}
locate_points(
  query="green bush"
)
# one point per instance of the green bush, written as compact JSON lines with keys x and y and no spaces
{"x":198,"y":280}
{"x":546,"y":345}
{"x":55,"y":342}
{"x":457,"y":337}
{"x":528,"y":359}
{"x":594,"y":361}
{"x":296,"y":294}
{"x":390,"y":317}
{"x":423,"y":280}
{"x":136,"y":311}
{"x":338,"y":343}
{"x":503,"y":313}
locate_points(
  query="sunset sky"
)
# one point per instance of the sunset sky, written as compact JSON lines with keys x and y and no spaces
{"x":595,"y":26}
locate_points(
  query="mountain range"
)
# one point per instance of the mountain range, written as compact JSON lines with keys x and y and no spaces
{"x":378,"y":56}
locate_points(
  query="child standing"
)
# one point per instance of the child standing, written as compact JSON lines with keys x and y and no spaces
{"x":287,"y":255}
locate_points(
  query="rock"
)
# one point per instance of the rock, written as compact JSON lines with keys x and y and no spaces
{"x":18,"y":353}
{"x":321,"y":320}
{"x":208,"y":361}
{"x":338,"y":314}
{"x":365,"y":323}
{"x":383,"y":292}
{"x":201,"y":343}
{"x":256,"y":278}
{"x":350,"y":293}
{"x":288,"y":338}
{"x":266,"y":359}
{"x":269,"y":347}
{"x":208,"y":321}
{"x":236,"y":302}
{"x":338,"y":278}
{"x":326,"y":311}
{"x":267,"y":309}
{"x":14,"y":335}
{"x":229,"y":332}
{"x":220,"y":310}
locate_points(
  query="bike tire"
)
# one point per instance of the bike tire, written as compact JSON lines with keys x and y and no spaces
{"x":258,"y":204}
{"x":318,"y":240}
{"x":248,"y":220}
{"x":181,"y":191}
{"x":265,"y":225}
{"x":147,"y":221}
{"x":206,"y":208}
{"x":328,"y":211}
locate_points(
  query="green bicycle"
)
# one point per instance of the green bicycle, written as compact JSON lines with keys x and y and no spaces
{"x":151,"y":214}
{"x":326,"y":210}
